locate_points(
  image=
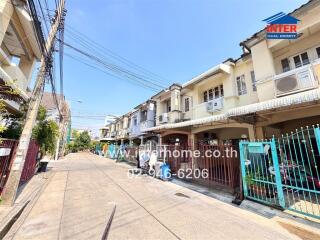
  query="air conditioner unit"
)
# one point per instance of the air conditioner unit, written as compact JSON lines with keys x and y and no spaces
{"x":164,"y":118}
{"x":294,"y":81}
{"x":214,"y":105}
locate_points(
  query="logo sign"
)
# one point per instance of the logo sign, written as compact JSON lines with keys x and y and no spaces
{"x":281,"y":26}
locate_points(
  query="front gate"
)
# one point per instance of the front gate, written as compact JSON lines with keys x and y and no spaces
{"x":283,"y":171}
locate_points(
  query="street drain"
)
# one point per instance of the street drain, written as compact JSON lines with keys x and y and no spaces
{"x":181,"y":195}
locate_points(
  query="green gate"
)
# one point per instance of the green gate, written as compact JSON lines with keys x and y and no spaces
{"x":283,"y":171}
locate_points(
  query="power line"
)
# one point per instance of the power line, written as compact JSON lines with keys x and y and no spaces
{"x":114,"y":68}
{"x":101,"y":48}
{"x":83,"y":61}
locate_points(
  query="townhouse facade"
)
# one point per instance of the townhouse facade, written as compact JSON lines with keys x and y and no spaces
{"x":130,"y":129}
{"x":19,"y":50}
{"x":271,"y":89}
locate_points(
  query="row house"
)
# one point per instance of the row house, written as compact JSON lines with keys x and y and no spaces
{"x":19,"y":50}
{"x":131,"y":127}
{"x":271,"y":89}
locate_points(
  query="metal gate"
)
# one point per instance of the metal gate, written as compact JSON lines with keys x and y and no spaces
{"x":284,"y":171}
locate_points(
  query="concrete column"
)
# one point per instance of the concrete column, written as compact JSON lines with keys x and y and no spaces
{"x":141,"y":138}
{"x":259,"y":134}
{"x":159,"y":139}
{"x":251,"y":132}
{"x":6,"y":11}
{"x":175,"y":103}
{"x":27,"y":66}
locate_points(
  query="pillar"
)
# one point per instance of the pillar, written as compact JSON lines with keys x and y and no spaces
{"x":259,"y":134}
{"x":159,"y":139}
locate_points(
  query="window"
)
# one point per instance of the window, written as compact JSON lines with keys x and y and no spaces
{"x":187,"y":104}
{"x":135,"y":121}
{"x":253,"y":80}
{"x":168,"y":106}
{"x":221,"y":91}
{"x":205,"y":96}
{"x":318,"y":51}
{"x":285,"y":65}
{"x":213,"y":93}
{"x":143,"y":116}
{"x":241,"y":85}
{"x":301,"y":59}
{"x":216,"y":92}
{"x":210,"y":93}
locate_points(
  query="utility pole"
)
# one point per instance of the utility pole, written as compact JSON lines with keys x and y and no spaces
{"x":12,"y":184}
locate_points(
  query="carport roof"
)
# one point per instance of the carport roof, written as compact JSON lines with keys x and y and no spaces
{"x":294,"y":99}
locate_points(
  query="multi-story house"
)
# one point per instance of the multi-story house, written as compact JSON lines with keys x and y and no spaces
{"x":287,"y":76}
{"x":196,"y":110}
{"x":141,"y":119}
{"x":19,"y":49}
{"x":271,"y":89}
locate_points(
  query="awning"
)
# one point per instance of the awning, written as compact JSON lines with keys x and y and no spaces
{"x":205,"y":120}
{"x":294,"y":99}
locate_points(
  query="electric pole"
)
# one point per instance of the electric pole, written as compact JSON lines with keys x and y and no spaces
{"x":12,"y":184}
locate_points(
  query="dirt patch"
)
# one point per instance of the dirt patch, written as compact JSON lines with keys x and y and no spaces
{"x":300,"y":232}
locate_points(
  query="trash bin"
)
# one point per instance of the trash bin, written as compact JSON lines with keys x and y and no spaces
{"x":165,"y":172}
{"x":43,"y":167}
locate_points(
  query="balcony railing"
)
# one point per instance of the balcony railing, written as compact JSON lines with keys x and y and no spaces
{"x":147,"y":124}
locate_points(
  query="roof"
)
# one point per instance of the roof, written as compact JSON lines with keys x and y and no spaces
{"x":199,"y":121}
{"x":294,"y":99}
{"x":214,"y":70}
{"x":243,"y":43}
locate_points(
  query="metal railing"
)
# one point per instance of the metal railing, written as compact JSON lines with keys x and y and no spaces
{"x":8,"y":149}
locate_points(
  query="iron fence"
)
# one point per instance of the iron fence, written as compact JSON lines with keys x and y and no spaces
{"x":8,"y":148}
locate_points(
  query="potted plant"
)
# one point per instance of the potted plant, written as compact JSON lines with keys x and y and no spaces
{"x":262,"y":189}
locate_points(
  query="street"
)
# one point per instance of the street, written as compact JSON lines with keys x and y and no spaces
{"x":83,"y":189}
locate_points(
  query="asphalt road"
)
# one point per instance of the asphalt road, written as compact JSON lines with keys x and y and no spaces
{"x":84,"y":190}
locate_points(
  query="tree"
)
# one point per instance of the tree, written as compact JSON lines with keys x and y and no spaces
{"x":12,"y":126}
{"x":45,"y":132}
{"x":83,"y":141}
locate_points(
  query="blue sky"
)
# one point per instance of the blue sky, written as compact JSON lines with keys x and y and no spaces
{"x":176,"y":39}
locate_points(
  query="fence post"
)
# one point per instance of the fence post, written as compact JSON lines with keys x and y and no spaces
{"x":277,"y":173}
{"x":243,"y":169}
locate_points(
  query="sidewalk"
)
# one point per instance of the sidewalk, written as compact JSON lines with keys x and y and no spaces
{"x":26,"y":194}
{"x":78,"y":199}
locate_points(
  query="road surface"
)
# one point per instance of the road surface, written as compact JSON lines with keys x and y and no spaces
{"x":84,"y":189}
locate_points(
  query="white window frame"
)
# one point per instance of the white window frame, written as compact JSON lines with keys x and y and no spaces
{"x":253,"y":81}
{"x":213,"y":93}
{"x":243,"y":87}
{"x":184,"y":103}
{"x":300,"y":58}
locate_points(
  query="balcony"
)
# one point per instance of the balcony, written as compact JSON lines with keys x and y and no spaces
{"x":146,"y":124}
{"x":206,"y":108}
{"x":14,"y":77}
{"x":296,"y":80}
